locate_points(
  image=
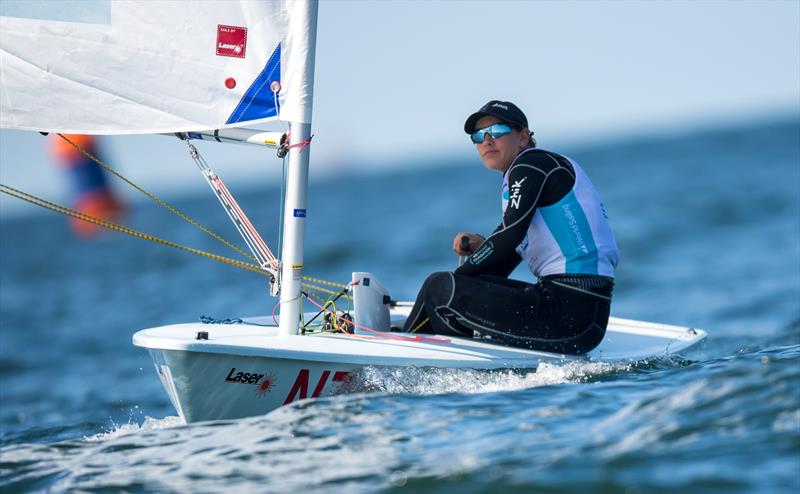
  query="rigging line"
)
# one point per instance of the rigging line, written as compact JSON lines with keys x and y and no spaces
{"x":381,"y":334}
{"x":279,"y":302}
{"x":235,"y":213}
{"x":330,"y":302}
{"x":283,"y":194}
{"x":182,"y":215}
{"x":44,"y":203}
{"x":262,"y":254}
{"x":130,"y":231}
{"x":241,"y":218}
{"x":156,"y":199}
{"x":323,"y":282}
{"x":302,"y":145}
{"x":335,"y":318}
{"x":324,"y":290}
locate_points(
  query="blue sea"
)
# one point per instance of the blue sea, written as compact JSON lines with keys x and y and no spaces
{"x":708,"y":225}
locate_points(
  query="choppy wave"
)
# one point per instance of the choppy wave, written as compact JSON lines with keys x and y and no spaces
{"x":722,"y":423}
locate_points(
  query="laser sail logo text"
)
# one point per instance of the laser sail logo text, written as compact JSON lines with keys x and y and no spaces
{"x":231,"y":41}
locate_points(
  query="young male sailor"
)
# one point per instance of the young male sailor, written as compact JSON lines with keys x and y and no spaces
{"x":553,"y":219}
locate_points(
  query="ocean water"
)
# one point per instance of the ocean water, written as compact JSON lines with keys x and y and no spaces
{"x":709,"y":233}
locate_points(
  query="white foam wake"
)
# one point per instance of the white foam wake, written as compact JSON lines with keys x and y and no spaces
{"x":427,"y":381}
{"x":149,"y":424}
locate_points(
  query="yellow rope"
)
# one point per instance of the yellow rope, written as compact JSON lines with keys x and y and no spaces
{"x":325,"y":304}
{"x":130,"y":231}
{"x":418,"y":326}
{"x":179,"y":213}
{"x":146,"y":236}
{"x":324,"y":290}
{"x":323,"y":282}
{"x":156,"y":199}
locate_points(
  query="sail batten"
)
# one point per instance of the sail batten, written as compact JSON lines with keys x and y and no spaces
{"x":156,"y":67}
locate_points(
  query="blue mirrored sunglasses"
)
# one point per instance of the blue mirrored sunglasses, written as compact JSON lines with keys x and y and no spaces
{"x":495,"y":130}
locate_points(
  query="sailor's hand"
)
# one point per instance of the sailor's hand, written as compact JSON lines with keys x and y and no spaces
{"x":464,"y":249}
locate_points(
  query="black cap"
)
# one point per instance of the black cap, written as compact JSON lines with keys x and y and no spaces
{"x":504,"y":110}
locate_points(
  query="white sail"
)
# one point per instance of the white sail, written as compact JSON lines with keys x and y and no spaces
{"x":124,"y":67}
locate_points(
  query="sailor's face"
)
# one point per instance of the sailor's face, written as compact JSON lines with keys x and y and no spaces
{"x":498,"y":154}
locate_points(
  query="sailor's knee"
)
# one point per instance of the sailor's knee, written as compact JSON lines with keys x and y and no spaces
{"x":438,"y":279}
{"x":438,"y":285}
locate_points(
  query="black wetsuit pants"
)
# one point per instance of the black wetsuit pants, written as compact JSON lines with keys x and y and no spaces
{"x":561,"y":314}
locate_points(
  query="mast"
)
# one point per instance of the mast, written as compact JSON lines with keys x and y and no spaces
{"x":294,"y":225}
{"x":303,"y":21}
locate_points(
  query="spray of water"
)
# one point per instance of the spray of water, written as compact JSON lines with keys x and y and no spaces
{"x":131,"y":427}
{"x":428,"y":381}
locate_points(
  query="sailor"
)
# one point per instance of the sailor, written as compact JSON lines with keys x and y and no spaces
{"x":92,"y":194}
{"x":554,"y":221}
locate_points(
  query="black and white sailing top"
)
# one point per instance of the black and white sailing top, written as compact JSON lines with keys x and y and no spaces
{"x":553,"y":219}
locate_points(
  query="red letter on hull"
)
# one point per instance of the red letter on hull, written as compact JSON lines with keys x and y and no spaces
{"x":299,"y":389}
{"x":300,"y":385}
{"x":321,"y":384}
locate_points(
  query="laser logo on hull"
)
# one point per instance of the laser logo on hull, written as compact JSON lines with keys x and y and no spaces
{"x":263,"y":382}
{"x":243,"y":377}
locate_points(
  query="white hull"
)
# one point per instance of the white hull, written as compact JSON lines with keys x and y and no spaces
{"x":248,"y":369}
{"x":203,"y":386}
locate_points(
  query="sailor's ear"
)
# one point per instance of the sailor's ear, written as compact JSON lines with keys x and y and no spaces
{"x":524,"y":138}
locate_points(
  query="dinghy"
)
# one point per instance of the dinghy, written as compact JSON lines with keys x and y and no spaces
{"x":224,"y":371}
{"x":160,"y":67}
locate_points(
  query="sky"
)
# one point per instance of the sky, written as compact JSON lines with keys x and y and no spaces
{"x":395,"y":80}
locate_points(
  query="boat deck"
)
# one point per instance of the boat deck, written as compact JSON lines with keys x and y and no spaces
{"x":258,"y":337}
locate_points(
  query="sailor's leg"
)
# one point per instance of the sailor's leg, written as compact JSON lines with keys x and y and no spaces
{"x":566,"y":322}
{"x":460,"y":305}
{"x":439,"y":297}
{"x":418,"y":320}
{"x":437,"y":291}
{"x":542,"y":316}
